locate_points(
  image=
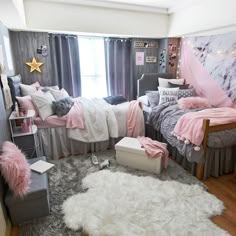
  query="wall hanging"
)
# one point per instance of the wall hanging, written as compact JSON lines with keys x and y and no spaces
{"x":172,"y":54}
{"x":43,"y":50}
{"x":34,"y":65}
{"x":162,"y":61}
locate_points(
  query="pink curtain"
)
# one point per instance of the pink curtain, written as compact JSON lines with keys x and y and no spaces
{"x":195,"y":74}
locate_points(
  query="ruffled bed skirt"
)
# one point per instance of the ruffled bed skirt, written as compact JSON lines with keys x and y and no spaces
{"x":55,"y":144}
{"x":219,"y":161}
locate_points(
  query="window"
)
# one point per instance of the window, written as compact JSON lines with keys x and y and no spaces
{"x":92,"y":67}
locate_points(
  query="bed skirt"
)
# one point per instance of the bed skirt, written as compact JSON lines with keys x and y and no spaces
{"x":219,"y":161}
{"x":55,"y":144}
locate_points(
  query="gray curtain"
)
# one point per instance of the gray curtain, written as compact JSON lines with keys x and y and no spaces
{"x":64,"y":52}
{"x":119,"y":67}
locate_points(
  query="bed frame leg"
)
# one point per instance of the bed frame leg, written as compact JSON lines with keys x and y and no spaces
{"x":200,"y":168}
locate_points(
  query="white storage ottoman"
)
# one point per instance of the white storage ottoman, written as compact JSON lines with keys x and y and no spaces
{"x":130,"y":153}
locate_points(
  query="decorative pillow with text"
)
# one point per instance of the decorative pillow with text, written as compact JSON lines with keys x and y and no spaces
{"x":168,"y":94}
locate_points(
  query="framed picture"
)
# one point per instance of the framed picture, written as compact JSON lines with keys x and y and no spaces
{"x":151,"y":59}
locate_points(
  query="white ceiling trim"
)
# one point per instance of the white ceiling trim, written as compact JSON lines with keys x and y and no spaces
{"x":181,"y":6}
{"x":110,"y":5}
{"x":212,"y":31}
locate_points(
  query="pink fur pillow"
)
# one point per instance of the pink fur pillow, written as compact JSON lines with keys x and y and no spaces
{"x":15,"y":169}
{"x":193,"y":102}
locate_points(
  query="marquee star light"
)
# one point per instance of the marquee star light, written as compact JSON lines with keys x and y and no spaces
{"x":34,"y":65}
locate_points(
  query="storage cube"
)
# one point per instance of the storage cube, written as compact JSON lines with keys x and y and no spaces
{"x":34,"y":204}
{"x":130,"y":153}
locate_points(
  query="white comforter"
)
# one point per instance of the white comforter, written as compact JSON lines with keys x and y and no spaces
{"x":102,"y":121}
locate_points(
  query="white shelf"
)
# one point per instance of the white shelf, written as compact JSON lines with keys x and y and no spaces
{"x":30,"y":114}
{"x":17,"y":132}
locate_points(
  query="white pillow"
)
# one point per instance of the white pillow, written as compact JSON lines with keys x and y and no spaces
{"x":48,"y":88}
{"x":168,"y":94}
{"x":59,"y":94}
{"x":144,"y":100}
{"x":164,"y":82}
{"x":43,"y":103}
{"x":27,"y":89}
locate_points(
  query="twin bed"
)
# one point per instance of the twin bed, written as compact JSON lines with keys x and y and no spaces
{"x":217,"y":152}
{"x":104,"y":126}
{"x":216,"y":155}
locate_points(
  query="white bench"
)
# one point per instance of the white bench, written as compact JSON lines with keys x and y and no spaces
{"x":130,"y":153}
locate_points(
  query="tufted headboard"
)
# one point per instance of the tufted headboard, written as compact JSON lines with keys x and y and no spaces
{"x":14,"y":84}
{"x":149,"y":81}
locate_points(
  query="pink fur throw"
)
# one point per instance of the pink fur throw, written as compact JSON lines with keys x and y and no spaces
{"x":193,"y":102}
{"x":15,"y":169}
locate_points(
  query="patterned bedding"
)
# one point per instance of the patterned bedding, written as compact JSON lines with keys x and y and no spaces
{"x":164,"y":117}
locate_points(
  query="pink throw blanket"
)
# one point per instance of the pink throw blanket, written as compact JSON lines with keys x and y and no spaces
{"x":189,"y":126}
{"x":135,"y":120}
{"x":75,"y":117}
{"x":154,"y":148}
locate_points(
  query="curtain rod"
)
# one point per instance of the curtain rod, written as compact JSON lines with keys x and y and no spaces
{"x":66,"y":35}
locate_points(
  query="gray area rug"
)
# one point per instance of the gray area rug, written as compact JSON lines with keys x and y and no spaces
{"x":65,"y":180}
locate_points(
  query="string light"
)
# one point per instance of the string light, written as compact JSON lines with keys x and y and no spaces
{"x":218,"y":52}
{"x":178,"y":66}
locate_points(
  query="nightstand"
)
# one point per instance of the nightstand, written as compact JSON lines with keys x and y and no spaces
{"x":24,"y":133}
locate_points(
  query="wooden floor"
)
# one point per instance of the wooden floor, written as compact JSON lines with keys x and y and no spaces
{"x":224,"y":188}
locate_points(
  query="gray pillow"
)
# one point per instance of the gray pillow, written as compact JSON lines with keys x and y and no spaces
{"x":62,"y":106}
{"x":153,"y":97}
{"x":184,"y":93}
{"x":183,"y":86}
{"x":48,"y":88}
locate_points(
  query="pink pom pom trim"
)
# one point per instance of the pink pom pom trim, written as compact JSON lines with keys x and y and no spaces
{"x":187,"y":141}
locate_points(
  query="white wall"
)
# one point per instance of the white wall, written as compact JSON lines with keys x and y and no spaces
{"x":203,"y":16}
{"x":12,"y":13}
{"x":78,"y":18}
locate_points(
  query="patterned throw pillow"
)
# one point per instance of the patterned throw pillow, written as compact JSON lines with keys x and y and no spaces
{"x":153,"y":97}
{"x":184,"y":93}
{"x":168,"y":94}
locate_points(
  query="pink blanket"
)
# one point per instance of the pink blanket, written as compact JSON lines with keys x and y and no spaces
{"x":154,"y":148}
{"x":75,"y":117}
{"x":135,"y":120}
{"x":189,"y":126}
{"x":50,"y":122}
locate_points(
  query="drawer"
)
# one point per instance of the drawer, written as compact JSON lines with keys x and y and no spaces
{"x":25,"y":142}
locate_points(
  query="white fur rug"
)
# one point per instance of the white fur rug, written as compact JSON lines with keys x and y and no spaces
{"x":119,"y":204}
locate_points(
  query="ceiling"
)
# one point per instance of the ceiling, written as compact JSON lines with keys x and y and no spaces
{"x":130,"y":18}
{"x":168,"y":5}
{"x":163,"y":6}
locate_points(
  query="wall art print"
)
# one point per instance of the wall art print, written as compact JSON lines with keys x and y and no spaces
{"x":217,"y":57}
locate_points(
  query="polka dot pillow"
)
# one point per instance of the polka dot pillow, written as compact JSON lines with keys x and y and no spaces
{"x":184,"y":93}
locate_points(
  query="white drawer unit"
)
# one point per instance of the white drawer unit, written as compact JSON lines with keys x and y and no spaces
{"x":24,"y":133}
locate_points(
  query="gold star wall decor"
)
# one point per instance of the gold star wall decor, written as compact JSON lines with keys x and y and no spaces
{"x":34,"y":65}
